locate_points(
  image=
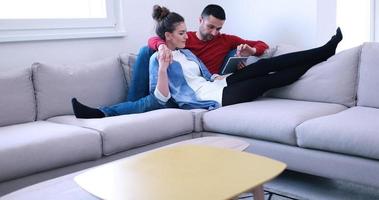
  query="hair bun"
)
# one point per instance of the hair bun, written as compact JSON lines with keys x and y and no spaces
{"x":160,"y":12}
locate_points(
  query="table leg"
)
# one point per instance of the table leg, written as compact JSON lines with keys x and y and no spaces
{"x":258,"y":193}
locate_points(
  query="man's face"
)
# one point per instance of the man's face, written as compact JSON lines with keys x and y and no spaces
{"x":210,"y":27}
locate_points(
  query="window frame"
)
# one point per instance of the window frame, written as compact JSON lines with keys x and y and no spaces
{"x":375,"y":21}
{"x":13,"y":30}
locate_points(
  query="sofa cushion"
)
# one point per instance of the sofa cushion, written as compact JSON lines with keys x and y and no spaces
{"x":127,"y":61}
{"x":266,"y":118}
{"x":124,"y":132}
{"x":96,"y":84}
{"x":332,"y":81}
{"x":17,"y":102}
{"x":36,"y":146}
{"x":353,"y":132}
{"x":368,"y":86}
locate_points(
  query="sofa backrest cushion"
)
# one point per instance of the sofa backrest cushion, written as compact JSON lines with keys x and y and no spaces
{"x":281,"y":49}
{"x":17,"y":101}
{"x":96,"y":84}
{"x":127,"y":61}
{"x":368,"y":85}
{"x":332,"y":81}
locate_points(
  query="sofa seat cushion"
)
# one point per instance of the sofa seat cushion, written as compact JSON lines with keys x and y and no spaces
{"x":266,"y":118}
{"x":354,"y":131}
{"x":124,"y":132}
{"x":17,"y":101}
{"x":36,"y":146}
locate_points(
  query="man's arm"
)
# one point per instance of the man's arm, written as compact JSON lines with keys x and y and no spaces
{"x":258,"y":46}
{"x":155,"y":42}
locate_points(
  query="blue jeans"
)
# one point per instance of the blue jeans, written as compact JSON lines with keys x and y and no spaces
{"x":139,"y":99}
{"x":145,"y":104}
{"x":139,"y":86}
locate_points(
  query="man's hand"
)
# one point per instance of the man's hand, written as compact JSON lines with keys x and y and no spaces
{"x":165,"y":53}
{"x":241,"y":65}
{"x":244,"y":50}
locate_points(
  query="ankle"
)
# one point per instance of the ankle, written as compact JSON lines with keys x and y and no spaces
{"x":86,"y":112}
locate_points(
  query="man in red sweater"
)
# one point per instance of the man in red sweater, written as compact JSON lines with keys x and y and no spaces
{"x":208,"y":44}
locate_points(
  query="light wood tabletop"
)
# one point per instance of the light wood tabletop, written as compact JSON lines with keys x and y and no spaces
{"x":190,"y":172}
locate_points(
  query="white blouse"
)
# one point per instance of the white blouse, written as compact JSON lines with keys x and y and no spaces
{"x":205,"y":90}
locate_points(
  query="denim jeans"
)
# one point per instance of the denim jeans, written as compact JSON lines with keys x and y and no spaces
{"x":139,"y":99}
{"x":139,"y":86}
{"x":145,"y":104}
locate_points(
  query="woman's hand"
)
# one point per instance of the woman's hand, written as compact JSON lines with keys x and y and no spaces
{"x":241,"y":65}
{"x":217,"y":77}
{"x":164,"y":57}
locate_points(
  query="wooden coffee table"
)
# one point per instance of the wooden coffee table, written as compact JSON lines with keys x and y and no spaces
{"x":182,"y":172}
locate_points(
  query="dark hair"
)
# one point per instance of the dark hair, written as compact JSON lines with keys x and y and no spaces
{"x":214,"y":10}
{"x":166,"y":20}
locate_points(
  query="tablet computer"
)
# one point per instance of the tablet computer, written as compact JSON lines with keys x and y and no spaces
{"x":231,"y":65}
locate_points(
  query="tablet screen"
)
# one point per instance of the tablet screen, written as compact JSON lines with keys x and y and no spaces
{"x":232,"y":65}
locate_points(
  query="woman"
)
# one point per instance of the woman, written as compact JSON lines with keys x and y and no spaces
{"x":190,"y":85}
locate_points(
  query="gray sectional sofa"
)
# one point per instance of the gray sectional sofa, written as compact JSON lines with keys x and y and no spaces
{"x":41,"y":138}
{"x":325,"y":124}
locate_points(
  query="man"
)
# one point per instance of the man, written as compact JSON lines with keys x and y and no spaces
{"x":208,"y":44}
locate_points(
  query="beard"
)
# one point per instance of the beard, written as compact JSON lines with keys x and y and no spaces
{"x":206,"y":36}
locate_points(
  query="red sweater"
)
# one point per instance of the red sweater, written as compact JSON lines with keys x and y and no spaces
{"x":213,"y":52}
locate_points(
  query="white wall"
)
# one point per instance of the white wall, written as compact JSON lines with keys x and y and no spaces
{"x":296,"y":22}
{"x":140,"y":24}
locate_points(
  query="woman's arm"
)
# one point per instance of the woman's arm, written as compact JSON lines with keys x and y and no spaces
{"x":162,"y":83}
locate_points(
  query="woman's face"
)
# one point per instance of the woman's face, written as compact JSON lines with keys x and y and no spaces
{"x":178,"y":38}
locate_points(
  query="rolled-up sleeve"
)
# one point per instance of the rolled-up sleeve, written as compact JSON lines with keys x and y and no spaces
{"x":160,"y":96}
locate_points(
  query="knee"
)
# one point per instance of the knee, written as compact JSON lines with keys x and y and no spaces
{"x":145,"y":50}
